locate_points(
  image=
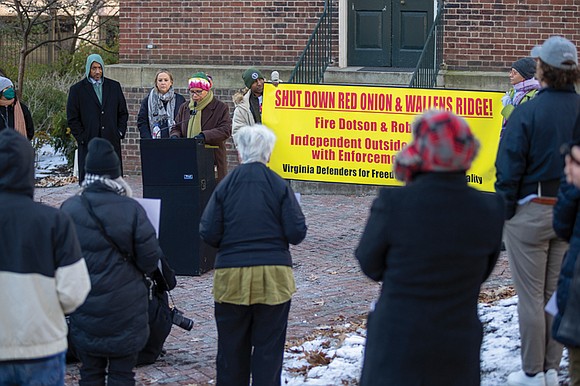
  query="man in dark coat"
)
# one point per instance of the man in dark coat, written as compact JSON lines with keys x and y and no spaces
{"x":119,"y":245}
{"x":96,"y":107}
{"x":432,"y":243}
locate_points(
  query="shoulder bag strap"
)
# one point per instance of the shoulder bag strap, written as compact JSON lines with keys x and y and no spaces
{"x":89,"y":207}
{"x":87,"y":204}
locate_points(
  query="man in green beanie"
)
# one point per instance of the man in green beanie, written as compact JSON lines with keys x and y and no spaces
{"x":248,"y":110}
{"x":96,"y":107}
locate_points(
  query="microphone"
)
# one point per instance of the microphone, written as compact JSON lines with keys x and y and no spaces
{"x":275,"y":78}
{"x":192,"y":113}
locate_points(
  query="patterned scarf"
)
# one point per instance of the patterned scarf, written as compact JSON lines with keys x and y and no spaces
{"x":161,"y":108}
{"x":442,"y":142}
{"x":194,"y":125}
{"x":113,"y":184}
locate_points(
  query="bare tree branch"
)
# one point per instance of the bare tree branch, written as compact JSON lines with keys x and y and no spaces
{"x":33,"y":15}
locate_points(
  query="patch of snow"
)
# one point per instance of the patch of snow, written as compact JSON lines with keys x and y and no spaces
{"x":500,"y":352}
{"x":47,"y":161}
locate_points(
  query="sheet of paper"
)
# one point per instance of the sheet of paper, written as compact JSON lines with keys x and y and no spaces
{"x":552,"y":307}
{"x":152,"y":207}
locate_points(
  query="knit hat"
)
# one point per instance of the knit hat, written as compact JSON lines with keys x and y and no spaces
{"x":102,"y":159}
{"x":200,"y":80}
{"x":251,"y":75}
{"x":557,"y":52}
{"x":442,"y":142}
{"x":5,"y":82}
{"x":526,"y":67}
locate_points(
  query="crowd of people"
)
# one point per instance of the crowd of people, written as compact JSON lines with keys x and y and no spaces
{"x":97,"y":260}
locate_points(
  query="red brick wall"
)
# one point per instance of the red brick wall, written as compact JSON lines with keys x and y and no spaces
{"x":215,"y":31}
{"x":489,"y":35}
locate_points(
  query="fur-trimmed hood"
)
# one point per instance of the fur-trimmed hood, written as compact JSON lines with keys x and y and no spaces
{"x":238,"y":97}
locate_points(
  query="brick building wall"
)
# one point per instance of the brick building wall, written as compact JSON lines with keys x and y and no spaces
{"x":488,"y":35}
{"x":215,"y":31}
{"x":480,"y":35}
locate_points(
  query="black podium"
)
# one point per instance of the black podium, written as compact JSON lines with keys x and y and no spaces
{"x":180,"y":172}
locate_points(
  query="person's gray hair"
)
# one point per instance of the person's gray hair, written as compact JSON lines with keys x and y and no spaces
{"x":255,"y":143}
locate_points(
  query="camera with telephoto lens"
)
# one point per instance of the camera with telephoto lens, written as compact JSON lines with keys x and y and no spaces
{"x":178,"y":319}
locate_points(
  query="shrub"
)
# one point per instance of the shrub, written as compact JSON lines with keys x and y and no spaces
{"x":46,"y":97}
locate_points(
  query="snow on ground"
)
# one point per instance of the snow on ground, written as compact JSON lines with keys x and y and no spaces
{"x":47,"y":161}
{"x":500,"y":352}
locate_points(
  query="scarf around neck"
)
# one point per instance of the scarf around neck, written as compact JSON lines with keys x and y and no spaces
{"x":161,"y":109}
{"x":522,"y":88}
{"x":194,"y":125}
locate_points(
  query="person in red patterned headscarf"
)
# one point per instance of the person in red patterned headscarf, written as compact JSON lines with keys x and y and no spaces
{"x":432,"y":243}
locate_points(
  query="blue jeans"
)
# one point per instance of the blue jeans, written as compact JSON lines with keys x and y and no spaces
{"x":47,"y":371}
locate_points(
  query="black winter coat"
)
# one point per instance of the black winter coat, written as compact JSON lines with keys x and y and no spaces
{"x":432,"y":244}
{"x":529,"y":151}
{"x":88,"y":119}
{"x":7,"y":120}
{"x":567,"y":226}
{"x":252,"y":217}
{"x":113,"y":321}
{"x":143,"y":117}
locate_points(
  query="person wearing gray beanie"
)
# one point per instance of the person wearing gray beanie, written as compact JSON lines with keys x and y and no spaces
{"x":526,"y":67}
{"x":524,"y":87}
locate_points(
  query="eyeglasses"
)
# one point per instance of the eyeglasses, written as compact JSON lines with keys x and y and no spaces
{"x":196,"y":92}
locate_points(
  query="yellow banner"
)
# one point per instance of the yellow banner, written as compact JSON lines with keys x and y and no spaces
{"x":351,"y":134}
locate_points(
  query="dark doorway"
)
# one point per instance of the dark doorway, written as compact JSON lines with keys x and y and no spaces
{"x":387,"y":33}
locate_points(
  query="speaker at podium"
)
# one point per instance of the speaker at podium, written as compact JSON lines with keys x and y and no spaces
{"x":181,"y":173}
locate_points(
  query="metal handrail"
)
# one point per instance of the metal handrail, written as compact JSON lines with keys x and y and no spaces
{"x":316,"y":56}
{"x":431,"y":59}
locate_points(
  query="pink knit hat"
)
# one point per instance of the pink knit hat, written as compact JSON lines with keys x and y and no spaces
{"x":200,"y":80}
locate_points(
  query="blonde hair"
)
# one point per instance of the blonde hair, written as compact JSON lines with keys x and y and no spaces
{"x":162,"y":71}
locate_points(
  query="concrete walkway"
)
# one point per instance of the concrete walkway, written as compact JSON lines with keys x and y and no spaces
{"x":331,"y":288}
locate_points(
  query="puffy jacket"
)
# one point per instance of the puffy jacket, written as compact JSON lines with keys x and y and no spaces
{"x":42,"y":272}
{"x":252,"y":217}
{"x":114,"y":319}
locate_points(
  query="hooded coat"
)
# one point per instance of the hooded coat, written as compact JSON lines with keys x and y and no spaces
{"x":41,"y":277}
{"x":114,"y":319}
{"x":88,"y":118}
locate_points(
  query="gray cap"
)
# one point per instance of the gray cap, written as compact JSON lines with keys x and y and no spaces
{"x":5,"y":83}
{"x":558,"y":52}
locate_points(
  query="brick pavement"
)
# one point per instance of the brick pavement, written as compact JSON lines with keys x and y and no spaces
{"x":331,"y":288}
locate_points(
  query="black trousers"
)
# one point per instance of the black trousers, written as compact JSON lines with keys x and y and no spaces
{"x":111,"y":371}
{"x":250,"y":341}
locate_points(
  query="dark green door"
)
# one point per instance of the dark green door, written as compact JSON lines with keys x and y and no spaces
{"x":412,"y":20}
{"x":387,"y":33}
{"x":369,"y":33}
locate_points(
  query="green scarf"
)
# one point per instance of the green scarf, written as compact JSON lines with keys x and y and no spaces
{"x":194,"y":125}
